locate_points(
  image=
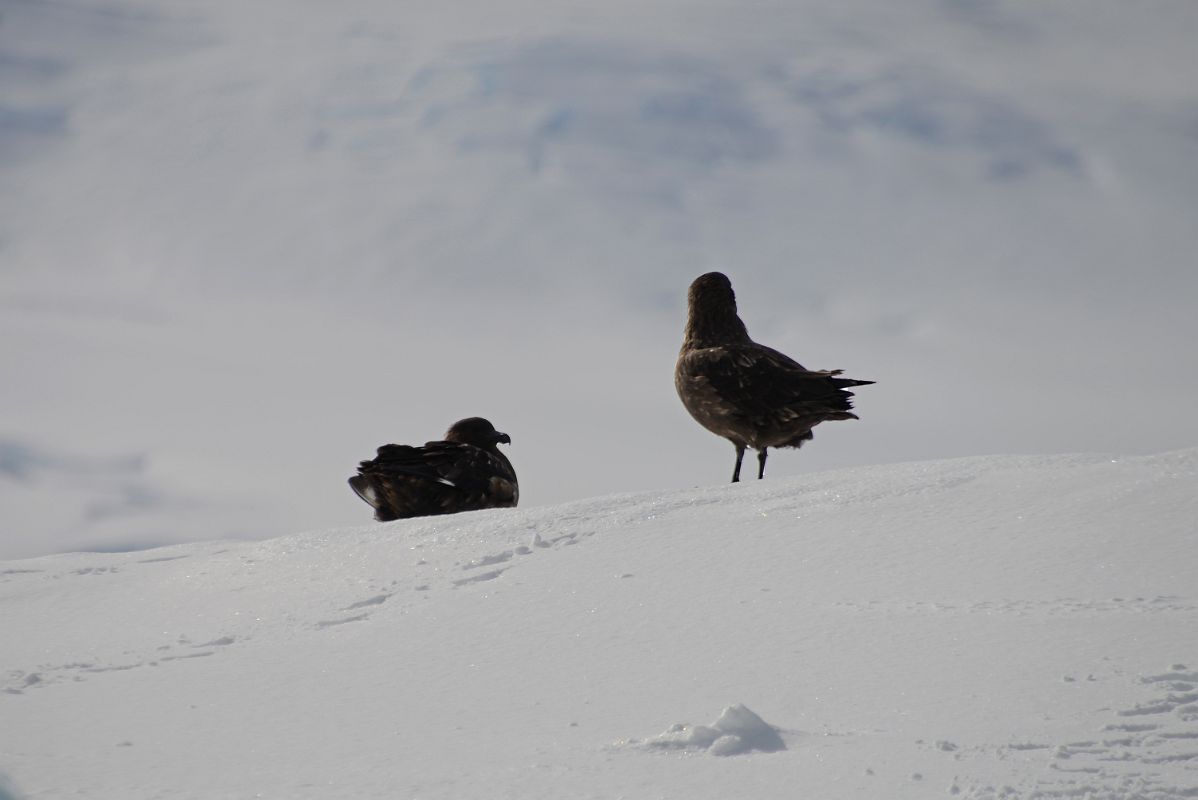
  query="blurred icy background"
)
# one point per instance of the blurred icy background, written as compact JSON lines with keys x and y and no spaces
{"x":241,"y":244}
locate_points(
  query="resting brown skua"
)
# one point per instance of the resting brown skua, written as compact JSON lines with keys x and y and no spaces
{"x":463,"y":472}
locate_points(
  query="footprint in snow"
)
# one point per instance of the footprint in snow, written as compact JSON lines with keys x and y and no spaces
{"x":479,"y":578}
{"x":377,"y":600}
{"x":1149,"y":753}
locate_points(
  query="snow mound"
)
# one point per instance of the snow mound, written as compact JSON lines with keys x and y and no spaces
{"x":737,"y":731}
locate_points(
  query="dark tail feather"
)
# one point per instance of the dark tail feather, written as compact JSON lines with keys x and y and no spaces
{"x":362,"y":488}
{"x":841,"y":383}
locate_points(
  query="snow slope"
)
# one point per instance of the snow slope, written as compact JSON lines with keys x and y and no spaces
{"x":991,"y":627}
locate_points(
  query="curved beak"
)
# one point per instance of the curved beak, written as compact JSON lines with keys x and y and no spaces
{"x":502,"y":438}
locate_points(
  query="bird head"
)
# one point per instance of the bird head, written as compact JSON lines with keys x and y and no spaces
{"x":476,"y":431}
{"x":712,"y":289}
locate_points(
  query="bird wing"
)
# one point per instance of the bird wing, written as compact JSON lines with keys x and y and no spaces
{"x":439,"y":478}
{"x":756,"y":381}
{"x":454,"y":464}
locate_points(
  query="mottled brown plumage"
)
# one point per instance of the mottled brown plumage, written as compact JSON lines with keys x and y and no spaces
{"x":748,"y":393}
{"x":463,"y":472}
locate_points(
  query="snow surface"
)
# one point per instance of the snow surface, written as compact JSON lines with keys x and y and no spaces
{"x":240,"y":234}
{"x":990,"y":627}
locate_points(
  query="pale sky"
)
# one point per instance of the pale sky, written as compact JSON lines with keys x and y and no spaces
{"x":243,"y":245}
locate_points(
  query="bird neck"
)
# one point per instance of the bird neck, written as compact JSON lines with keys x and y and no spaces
{"x":710,"y":327}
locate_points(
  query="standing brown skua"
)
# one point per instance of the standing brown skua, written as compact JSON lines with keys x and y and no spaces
{"x":463,"y":472}
{"x":748,"y":393}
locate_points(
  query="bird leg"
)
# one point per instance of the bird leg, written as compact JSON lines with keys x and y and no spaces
{"x":761,"y":462}
{"x":740,"y":454}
